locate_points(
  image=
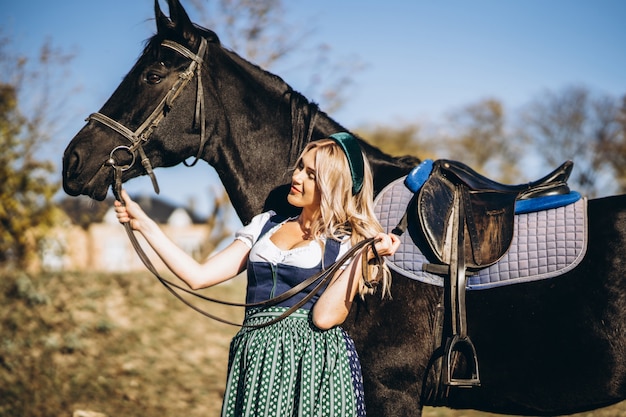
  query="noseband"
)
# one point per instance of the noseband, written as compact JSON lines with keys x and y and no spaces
{"x":140,"y":136}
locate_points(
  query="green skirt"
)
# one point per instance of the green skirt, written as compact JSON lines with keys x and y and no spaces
{"x":291,"y":368}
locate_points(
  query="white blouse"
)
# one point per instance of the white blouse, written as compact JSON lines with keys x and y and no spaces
{"x":264,"y":250}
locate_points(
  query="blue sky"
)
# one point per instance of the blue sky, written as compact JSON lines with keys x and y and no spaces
{"x":423,"y":58}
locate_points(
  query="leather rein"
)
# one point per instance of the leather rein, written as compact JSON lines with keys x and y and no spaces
{"x":323,"y":276}
{"x":140,"y":136}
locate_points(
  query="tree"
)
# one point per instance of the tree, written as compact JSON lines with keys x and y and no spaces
{"x":26,"y":193}
{"x":611,"y":140}
{"x":574,"y":124}
{"x":26,"y":207}
{"x":399,"y":140}
{"x":476,"y":135}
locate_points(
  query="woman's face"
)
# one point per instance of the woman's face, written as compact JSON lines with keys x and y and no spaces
{"x":304,"y":191}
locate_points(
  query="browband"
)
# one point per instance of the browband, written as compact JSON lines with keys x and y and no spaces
{"x":352,"y":149}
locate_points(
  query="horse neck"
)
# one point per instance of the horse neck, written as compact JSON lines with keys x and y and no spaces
{"x":264,"y":125}
{"x":258,"y":144}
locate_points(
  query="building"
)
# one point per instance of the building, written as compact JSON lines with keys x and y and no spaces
{"x":91,"y":238}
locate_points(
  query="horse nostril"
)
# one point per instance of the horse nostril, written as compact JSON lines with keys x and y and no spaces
{"x":72,"y":164}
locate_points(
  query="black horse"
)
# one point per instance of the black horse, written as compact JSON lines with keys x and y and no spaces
{"x":550,"y":347}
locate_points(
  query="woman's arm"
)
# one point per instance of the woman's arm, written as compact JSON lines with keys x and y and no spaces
{"x":220,"y":267}
{"x":333,"y":306}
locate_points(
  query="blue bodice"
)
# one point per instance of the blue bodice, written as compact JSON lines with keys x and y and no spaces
{"x":268,"y":280}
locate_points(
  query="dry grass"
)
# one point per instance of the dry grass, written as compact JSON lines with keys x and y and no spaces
{"x":119,"y":345}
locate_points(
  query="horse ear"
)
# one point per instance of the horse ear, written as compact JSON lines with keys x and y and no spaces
{"x":181,"y":22}
{"x":163,"y":23}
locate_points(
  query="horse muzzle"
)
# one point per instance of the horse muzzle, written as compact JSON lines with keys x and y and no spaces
{"x":80,"y":179}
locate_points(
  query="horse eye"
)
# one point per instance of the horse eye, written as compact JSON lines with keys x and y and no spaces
{"x":153,"y":78}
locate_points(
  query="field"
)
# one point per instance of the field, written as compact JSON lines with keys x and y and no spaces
{"x":120,"y":345}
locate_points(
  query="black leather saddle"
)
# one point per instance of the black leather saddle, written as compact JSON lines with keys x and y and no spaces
{"x":488,"y":209}
{"x":467,"y":221}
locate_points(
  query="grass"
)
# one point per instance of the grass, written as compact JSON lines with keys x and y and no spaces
{"x":122,"y":346}
{"x":115,"y":344}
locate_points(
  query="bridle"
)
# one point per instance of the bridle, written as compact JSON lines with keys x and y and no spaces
{"x":142,"y":134}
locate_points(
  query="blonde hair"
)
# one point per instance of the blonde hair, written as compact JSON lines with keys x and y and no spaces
{"x":342,"y":212}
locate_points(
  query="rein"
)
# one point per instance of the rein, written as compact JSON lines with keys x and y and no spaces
{"x":141,"y":136}
{"x":323,"y":276}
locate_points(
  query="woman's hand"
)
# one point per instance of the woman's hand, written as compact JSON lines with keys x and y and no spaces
{"x":130,"y":212}
{"x":387,"y":243}
{"x":333,"y":306}
{"x":218,"y":268}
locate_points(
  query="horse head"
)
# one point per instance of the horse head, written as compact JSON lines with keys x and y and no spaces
{"x":157,"y":71}
{"x":187,"y":96}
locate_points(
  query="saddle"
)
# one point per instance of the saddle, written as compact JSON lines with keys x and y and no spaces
{"x":484,"y":207}
{"x":467,"y":223}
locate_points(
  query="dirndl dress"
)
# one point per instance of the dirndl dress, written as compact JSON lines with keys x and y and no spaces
{"x":290,"y":368}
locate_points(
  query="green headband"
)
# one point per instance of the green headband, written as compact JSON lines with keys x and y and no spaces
{"x":352,"y":149}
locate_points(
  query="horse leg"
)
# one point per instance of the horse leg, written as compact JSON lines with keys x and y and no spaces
{"x":394,"y":339}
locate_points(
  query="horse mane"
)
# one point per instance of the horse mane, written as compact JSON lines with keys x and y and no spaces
{"x":304,"y":112}
{"x":275,"y":83}
{"x":307,"y":121}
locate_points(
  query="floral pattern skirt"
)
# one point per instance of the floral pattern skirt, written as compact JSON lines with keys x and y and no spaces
{"x":291,"y":368}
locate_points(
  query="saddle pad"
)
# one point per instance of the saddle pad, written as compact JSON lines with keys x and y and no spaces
{"x":545,"y":244}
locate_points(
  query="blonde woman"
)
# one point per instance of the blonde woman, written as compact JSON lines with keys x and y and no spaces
{"x":305,"y":364}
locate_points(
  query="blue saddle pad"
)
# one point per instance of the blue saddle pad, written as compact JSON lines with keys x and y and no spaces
{"x":546,"y":242}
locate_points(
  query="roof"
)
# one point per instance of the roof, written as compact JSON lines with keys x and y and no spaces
{"x":84,"y":211}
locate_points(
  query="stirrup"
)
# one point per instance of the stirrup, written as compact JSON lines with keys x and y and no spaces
{"x":456,"y":345}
